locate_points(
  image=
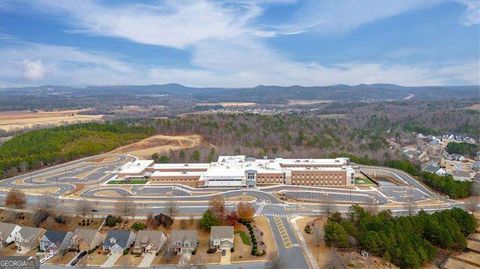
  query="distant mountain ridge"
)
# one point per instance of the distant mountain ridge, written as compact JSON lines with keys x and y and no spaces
{"x":260,"y":93}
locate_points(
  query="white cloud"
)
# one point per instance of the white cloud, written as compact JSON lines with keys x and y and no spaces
{"x":170,"y":23}
{"x":332,"y":16}
{"x":33,"y":70}
{"x":253,"y":64}
{"x":226,"y":50}
{"x":472,"y":13}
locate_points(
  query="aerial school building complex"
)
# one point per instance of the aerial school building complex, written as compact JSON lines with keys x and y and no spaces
{"x":242,"y":171}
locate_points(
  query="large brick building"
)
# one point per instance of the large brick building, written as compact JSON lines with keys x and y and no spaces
{"x":241,"y":171}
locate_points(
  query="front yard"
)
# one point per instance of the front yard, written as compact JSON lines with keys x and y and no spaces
{"x":243,"y":251}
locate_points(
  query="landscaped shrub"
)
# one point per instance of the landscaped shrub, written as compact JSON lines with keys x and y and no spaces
{"x":111,"y":221}
{"x":60,"y":219}
{"x":308,"y":229}
{"x":137,"y":226}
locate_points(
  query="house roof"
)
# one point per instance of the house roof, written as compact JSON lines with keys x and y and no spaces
{"x":56,"y":237}
{"x":183,"y":235}
{"x":86,"y":235}
{"x":6,"y":229}
{"x":156,"y":238}
{"x":431,"y":167}
{"x":457,"y":173}
{"x":121,"y":237}
{"x":30,"y":233}
{"x":221,"y":232}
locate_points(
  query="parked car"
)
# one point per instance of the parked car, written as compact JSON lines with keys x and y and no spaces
{"x":79,"y":257}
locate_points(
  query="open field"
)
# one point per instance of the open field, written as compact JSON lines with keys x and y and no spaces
{"x":228,"y":104}
{"x":160,"y":144}
{"x":474,"y":107}
{"x":298,"y":102}
{"x":18,"y":120}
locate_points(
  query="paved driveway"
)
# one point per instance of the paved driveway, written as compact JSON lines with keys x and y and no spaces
{"x":111,"y":260}
{"x":225,"y":259}
{"x":147,"y":260}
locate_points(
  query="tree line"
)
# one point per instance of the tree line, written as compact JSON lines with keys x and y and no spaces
{"x":462,"y":148}
{"x":40,"y":148}
{"x":407,"y":241}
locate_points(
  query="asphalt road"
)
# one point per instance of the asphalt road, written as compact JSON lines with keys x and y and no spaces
{"x":195,"y":201}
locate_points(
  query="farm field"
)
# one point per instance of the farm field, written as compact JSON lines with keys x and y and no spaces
{"x":18,"y":120}
{"x":160,"y":144}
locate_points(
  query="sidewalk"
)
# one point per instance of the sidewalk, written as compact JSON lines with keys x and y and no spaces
{"x":312,"y":263}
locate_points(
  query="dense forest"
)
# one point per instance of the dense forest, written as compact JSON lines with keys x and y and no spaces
{"x":274,"y":135}
{"x":408,"y":242}
{"x":50,"y":146}
{"x":463,"y":148}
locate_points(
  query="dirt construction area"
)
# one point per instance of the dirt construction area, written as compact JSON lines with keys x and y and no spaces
{"x":18,"y":120}
{"x":160,"y":144}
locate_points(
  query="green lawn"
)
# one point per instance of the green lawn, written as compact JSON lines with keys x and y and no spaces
{"x":363,"y":181}
{"x":245,"y":237}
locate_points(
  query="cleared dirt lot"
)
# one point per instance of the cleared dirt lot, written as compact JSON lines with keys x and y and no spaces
{"x":160,"y":144}
{"x":18,"y":120}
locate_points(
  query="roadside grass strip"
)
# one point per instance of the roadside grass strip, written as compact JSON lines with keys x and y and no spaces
{"x":283,"y":232}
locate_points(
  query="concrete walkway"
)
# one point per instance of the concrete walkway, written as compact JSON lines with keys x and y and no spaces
{"x":111,"y":260}
{"x":225,"y":259}
{"x":310,"y":258}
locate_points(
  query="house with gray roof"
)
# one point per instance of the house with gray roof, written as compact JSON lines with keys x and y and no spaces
{"x":85,"y":239}
{"x":430,"y":166}
{"x":55,"y":241}
{"x":461,"y":175}
{"x":149,"y":242}
{"x":7,"y":231}
{"x":27,"y":238}
{"x":476,"y":166}
{"x":183,"y":241}
{"x":221,"y":237}
{"x":118,"y":240}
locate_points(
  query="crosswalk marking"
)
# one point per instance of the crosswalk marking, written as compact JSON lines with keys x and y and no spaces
{"x":283,"y":232}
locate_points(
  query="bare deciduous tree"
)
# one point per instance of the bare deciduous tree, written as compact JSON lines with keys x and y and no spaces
{"x":125,"y":208}
{"x":84,"y":207}
{"x":15,"y":199}
{"x":47,"y":202}
{"x":171,"y":206}
{"x":328,"y":208}
{"x":371,"y":206}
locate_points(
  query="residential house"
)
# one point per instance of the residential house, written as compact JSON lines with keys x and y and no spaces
{"x":431,"y":167}
{"x":149,"y":242}
{"x":461,"y":175}
{"x":85,"y":239}
{"x":183,"y":241}
{"x":476,"y":166}
{"x":118,"y":240}
{"x":55,"y":241}
{"x":221,"y":237}
{"x":27,"y":238}
{"x":7,"y":231}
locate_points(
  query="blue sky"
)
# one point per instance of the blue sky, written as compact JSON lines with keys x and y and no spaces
{"x":240,"y":43}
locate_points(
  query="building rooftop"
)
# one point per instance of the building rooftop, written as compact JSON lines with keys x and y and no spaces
{"x":177,"y":173}
{"x":221,"y":232}
{"x":135,"y":167}
{"x":184,"y":166}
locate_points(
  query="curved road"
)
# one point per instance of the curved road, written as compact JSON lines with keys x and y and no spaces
{"x":195,"y":201}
